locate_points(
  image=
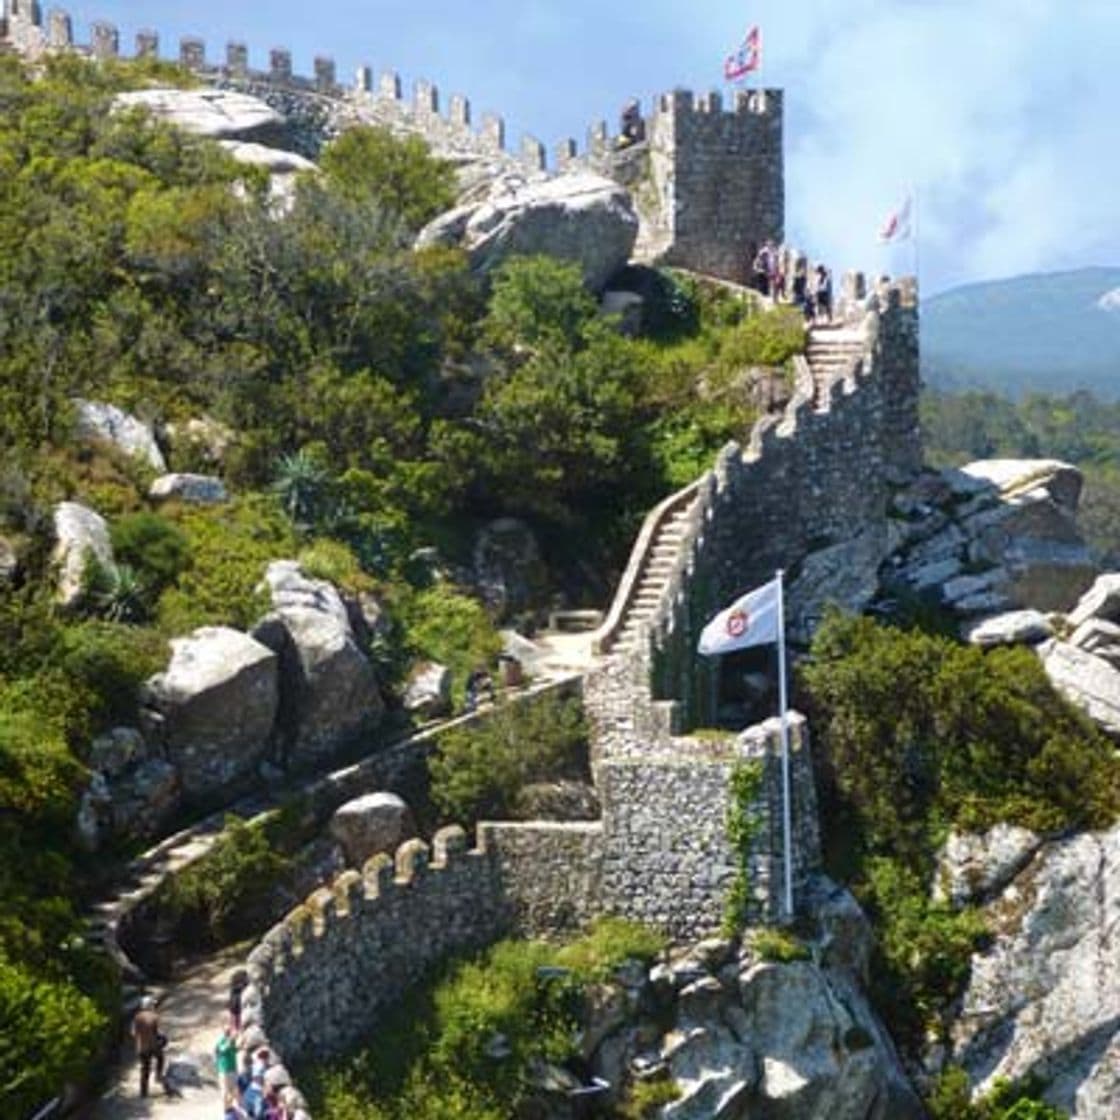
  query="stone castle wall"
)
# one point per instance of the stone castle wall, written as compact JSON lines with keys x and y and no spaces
{"x":818,"y":477}
{"x":324,"y":977}
{"x":708,"y":183}
{"x":666,"y":856}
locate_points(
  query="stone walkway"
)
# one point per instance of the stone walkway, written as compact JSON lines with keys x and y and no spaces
{"x":191,"y":1015}
{"x":192,"y":1010}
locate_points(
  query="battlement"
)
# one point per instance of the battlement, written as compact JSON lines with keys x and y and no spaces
{"x":322,"y":102}
{"x":812,"y":485}
{"x":322,"y":979}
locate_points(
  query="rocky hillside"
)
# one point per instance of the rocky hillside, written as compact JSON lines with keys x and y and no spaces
{"x":1049,"y":333}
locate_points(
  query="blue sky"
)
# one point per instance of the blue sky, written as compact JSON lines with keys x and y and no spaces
{"x":1000,"y":112}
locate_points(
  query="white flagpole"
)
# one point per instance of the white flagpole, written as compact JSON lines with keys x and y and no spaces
{"x":784,"y":706}
{"x":917,"y":240}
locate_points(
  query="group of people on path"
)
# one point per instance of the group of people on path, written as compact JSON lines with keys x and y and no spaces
{"x":248,"y":1092}
{"x":810,"y":291}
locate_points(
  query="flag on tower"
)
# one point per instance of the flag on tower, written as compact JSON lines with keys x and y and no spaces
{"x":897,"y":225}
{"x":752,"y":620}
{"x":747,"y":58}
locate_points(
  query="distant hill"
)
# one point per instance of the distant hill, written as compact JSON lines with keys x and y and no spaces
{"x":1052,"y":333}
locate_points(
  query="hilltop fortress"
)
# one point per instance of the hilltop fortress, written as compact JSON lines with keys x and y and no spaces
{"x":707,"y":181}
{"x":809,"y":494}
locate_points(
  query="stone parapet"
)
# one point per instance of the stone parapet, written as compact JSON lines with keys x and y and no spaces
{"x":335,"y":966}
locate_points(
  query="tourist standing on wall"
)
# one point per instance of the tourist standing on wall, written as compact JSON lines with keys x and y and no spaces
{"x":823,"y":293}
{"x":150,"y":1044}
{"x":760,"y":270}
{"x":800,"y":288}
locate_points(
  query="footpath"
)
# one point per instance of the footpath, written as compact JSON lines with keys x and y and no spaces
{"x":191,"y":1013}
{"x":192,"y":1009}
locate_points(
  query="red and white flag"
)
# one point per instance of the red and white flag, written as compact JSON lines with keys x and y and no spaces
{"x":897,"y":227}
{"x":746,"y":59}
{"x":752,"y":620}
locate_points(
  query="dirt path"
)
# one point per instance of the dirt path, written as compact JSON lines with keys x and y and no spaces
{"x":191,"y":1015}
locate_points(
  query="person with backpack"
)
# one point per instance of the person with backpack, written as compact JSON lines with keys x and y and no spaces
{"x":150,"y":1043}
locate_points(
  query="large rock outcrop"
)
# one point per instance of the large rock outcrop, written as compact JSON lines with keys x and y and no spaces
{"x":213,"y":709}
{"x":1044,"y":999}
{"x":996,"y":536}
{"x":329,"y":689}
{"x":746,"y":1037}
{"x":106,"y":422}
{"x":217,"y":113}
{"x":1084,"y":663}
{"x":81,"y":538}
{"x":1087,"y":681}
{"x":376,"y":822}
{"x":579,"y":217}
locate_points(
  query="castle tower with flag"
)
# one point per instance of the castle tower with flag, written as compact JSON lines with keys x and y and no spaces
{"x":708,"y":179}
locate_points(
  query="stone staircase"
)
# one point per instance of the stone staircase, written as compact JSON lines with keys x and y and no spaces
{"x":833,"y":352}
{"x":657,"y":566}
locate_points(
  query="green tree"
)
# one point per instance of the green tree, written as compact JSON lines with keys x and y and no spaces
{"x":398,"y":175}
{"x":478,"y":771}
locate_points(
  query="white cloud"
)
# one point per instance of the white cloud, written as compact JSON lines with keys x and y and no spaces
{"x":1001,"y":114}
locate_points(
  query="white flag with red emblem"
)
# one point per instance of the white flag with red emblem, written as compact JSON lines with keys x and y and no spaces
{"x":751,"y":620}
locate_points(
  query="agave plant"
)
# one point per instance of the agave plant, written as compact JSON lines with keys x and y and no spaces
{"x":302,"y":485}
{"x":120,"y":595}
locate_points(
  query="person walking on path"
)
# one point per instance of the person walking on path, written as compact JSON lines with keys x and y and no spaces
{"x":149,"y":1042}
{"x":225,"y":1058}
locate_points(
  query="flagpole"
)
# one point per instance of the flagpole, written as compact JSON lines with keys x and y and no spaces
{"x":917,"y":240}
{"x":784,"y":706}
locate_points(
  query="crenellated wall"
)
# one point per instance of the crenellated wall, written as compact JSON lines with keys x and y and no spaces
{"x":325,"y":978}
{"x":707,"y":181}
{"x":329,"y":972}
{"x":317,"y":106}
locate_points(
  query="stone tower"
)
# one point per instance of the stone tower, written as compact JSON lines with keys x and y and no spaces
{"x":708,"y":182}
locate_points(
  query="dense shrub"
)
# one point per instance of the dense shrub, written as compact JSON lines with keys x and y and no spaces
{"x":445,"y":625}
{"x":765,"y":339}
{"x":336,"y":563}
{"x":919,"y":734}
{"x":462,"y":1048}
{"x":108,"y":662}
{"x":156,"y":549}
{"x":47,"y":1031}
{"x":397,"y":174}
{"x":231,"y":550}
{"x":951,"y":1099}
{"x":536,"y":301}
{"x":223,"y":895}
{"x":477,"y":771}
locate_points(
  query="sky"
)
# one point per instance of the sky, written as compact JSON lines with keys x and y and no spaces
{"x":999,"y":115}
